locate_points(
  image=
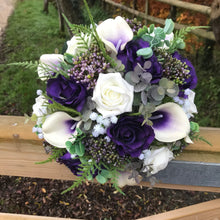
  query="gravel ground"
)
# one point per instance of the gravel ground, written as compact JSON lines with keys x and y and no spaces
{"x":91,"y":201}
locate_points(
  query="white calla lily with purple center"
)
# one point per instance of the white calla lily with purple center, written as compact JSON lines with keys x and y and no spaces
{"x":170,"y":122}
{"x":115,"y":33}
{"x":47,"y":61}
{"x":58,"y":128}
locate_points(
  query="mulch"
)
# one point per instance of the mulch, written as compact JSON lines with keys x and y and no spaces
{"x":91,"y":201}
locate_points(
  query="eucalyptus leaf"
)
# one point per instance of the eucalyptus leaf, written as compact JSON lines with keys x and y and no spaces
{"x":140,"y":87}
{"x":164,"y":82}
{"x":169,"y":26}
{"x":145,"y":52}
{"x":101,"y":179}
{"x":147,"y":64}
{"x":128,"y":78}
{"x":134,"y":77}
{"x":147,"y":38}
{"x":144,"y":97}
{"x":159,"y":33}
{"x":107,"y":174}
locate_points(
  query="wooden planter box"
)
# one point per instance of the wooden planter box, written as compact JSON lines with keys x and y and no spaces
{"x":197,"y":168}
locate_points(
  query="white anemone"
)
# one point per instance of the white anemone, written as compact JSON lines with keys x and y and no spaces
{"x":170,"y":123}
{"x":115,"y":33}
{"x":59,"y":128}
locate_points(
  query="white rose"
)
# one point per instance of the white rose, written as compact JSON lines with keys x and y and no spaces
{"x":156,"y":160}
{"x":112,"y":95}
{"x":73,"y":44}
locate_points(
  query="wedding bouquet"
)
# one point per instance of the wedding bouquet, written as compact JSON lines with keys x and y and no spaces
{"x":118,"y":104}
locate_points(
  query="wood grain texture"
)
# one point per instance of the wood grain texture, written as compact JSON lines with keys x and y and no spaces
{"x":203,"y":211}
{"x":18,"y":154}
{"x":7,"y":216}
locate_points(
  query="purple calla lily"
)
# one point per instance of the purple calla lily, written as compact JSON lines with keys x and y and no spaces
{"x":115,"y":33}
{"x":58,"y":128}
{"x":170,"y":123}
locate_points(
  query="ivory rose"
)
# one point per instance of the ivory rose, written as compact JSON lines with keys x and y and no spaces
{"x":112,"y":95}
{"x":156,"y":160}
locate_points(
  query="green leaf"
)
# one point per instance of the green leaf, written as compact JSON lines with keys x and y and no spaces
{"x":151,"y":28}
{"x":145,"y":52}
{"x":169,"y":26}
{"x":106,"y":173}
{"x":101,"y":179}
{"x":70,"y":147}
{"x":142,"y":31}
{"x":68,"y":58}
{"x":147,"y":38}
{"x":194,"y":126}
{"x":80,"y":149}
{"x":159,"y":33}
{"x":167,"y":42}
{"x":90,"y":177}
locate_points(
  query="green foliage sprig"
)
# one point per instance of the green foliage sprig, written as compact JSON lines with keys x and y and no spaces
{"x":56,"y":153}
{"x":54,"y":106}
{"x":26,"y":64}
{"x":179,"y":37}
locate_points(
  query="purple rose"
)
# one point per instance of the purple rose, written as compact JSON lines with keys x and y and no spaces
{"x":129,"y":58}
{"x":153,"y":67}
{"x":190,"y":82}
{"x":67,"y":92}
{"x":130,"y":135}
{"x":72,"y":164}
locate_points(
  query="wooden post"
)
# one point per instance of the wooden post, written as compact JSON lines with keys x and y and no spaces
{"x":146,"y":10}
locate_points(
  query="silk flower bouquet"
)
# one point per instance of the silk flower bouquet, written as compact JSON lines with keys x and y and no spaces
{"x":118,"y":103}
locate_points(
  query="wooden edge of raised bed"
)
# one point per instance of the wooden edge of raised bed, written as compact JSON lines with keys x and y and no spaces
{"x":20,"y":149}
{"x":7,"y":216}
{"x":205,"y":210}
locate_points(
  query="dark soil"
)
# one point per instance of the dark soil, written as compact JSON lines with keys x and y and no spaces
{"x":91,"y":201}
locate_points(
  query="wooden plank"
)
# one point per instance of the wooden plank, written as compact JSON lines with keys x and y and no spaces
{"x":14,"y":127}
{"x":187,"y":5}
{"x":18,"y":156}
{"x":7,"y":216}
{"x":203,"y":211}
{"x":200,"y":32}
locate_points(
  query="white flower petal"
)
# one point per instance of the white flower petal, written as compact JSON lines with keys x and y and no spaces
{"x":57,"y":129}
{"x":48,"y":60}
{"x":115,"y":33}
{"x":112,"y":95}
{"x":157,"y":159}
{"x":173,"y":125}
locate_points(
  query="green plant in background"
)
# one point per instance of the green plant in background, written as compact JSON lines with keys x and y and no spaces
{"x":29,"y":34}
